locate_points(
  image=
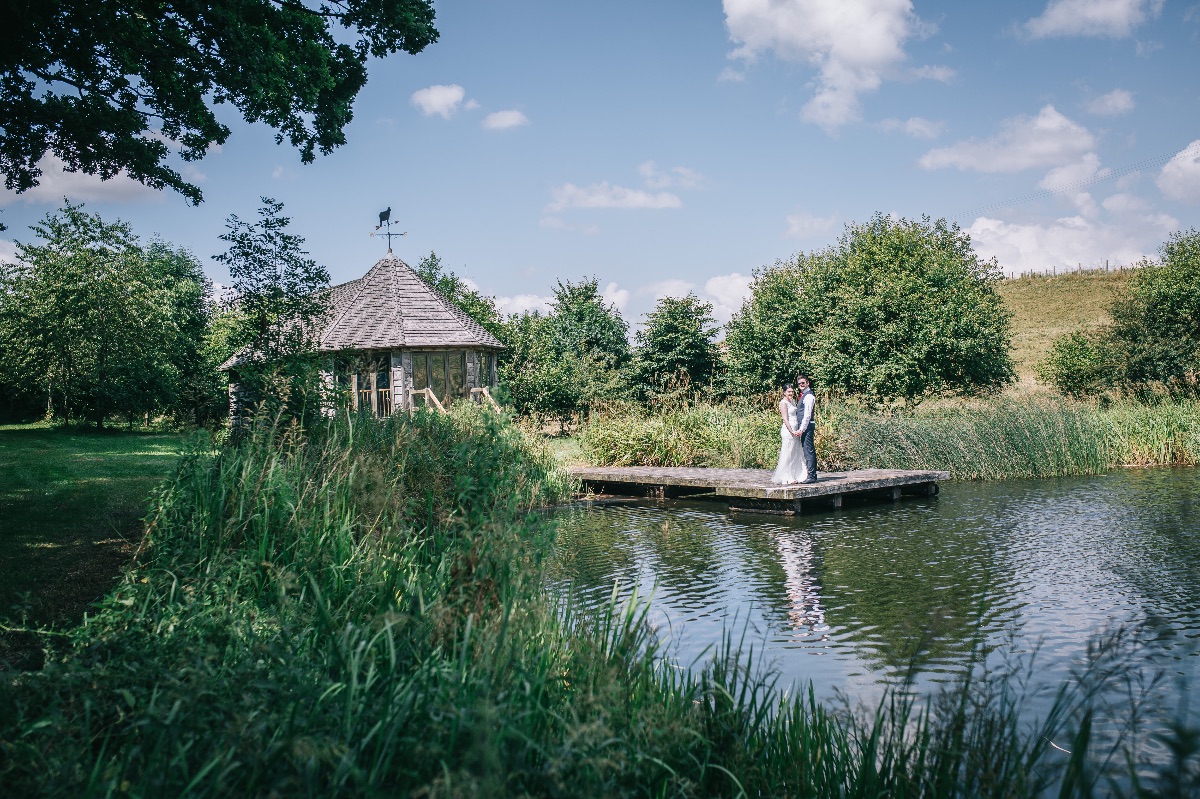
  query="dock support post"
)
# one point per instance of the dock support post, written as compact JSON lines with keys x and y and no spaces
{"x":796,"y":507}
{"x":835,"y":501}
{"x":895,"y":493}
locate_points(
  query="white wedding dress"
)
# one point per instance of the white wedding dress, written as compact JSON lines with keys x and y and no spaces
{"x":791,"y":468}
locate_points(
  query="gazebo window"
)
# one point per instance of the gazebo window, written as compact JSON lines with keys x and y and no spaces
{"x":444,"y":373}
{"x":437,"y":374}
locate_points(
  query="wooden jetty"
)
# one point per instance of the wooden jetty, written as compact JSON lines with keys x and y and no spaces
{"x":752,"y":489}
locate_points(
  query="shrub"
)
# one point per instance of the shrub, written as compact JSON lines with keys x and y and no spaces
{"x":1079,"y":364}
{"x":897,"y":310}
{"x":675,"y":348}
{"x":1156,"y":324}
{"x":1153,"y":344}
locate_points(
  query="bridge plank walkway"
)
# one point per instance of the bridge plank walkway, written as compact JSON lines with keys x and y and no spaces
{"x":752,"y":489}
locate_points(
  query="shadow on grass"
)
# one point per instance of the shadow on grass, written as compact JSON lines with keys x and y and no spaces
{"x":71,"y":509}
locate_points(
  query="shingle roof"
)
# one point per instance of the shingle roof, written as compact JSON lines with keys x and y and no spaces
{"x":390,"y":307}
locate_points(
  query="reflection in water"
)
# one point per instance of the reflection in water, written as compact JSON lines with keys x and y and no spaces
{"x":799,"y":562}
{"x":852,"y":598}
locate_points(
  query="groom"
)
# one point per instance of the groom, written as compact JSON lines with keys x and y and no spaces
{"x":808,"y":425}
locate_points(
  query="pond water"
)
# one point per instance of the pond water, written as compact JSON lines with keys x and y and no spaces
{"x":852,"y":599}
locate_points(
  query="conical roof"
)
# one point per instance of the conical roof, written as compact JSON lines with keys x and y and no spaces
{"x":390,"y":307}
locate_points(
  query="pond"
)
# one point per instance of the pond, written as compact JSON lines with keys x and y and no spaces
{"x":854,"y":599}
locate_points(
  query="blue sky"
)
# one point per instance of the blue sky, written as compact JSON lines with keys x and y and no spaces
{"x":666,"y":146}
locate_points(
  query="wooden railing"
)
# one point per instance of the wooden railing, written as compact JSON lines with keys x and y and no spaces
{"x":483,"y":392}
{"x":430,"y":397}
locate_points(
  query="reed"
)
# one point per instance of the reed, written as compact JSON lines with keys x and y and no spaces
{"x":1032,"y":438}
{"x":1007,"y":437}
{"x":1165,"y":433}
{"x":360,"y":611}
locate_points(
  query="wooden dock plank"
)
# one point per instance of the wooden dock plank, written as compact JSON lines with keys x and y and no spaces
{"x":753,"y":483}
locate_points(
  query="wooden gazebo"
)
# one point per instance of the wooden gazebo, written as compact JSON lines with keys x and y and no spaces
{"x":393,"y":342}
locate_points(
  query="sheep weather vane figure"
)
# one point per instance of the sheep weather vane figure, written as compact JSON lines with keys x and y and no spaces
{"x":385,"y":221}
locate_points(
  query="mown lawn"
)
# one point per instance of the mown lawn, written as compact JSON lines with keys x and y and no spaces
{"x":71,"y":510}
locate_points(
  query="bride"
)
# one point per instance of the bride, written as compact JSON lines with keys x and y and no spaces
{"x":791,"y":468}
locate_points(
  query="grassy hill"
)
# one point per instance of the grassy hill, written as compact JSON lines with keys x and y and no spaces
{"x":1047,"y":306}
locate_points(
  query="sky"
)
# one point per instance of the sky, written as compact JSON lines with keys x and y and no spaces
{"x":668,"y":146}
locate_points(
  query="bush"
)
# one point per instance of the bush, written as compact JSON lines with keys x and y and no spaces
{"x":1156,"y":324}
{"x":1152,"y":346}
{"x":897,"y":310}
{"x":1079,"y":364}
{"x":675,"y":351}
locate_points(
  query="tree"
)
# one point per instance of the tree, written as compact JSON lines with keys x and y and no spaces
{"x":111,"y":86}
{"x":278,"y":291}
{"x":1154,"y":338}
{"x":1156,"y":325}
{"x":558,"y":365}
{"x":585,"y":326}
{"x":897,"y":310}
{"x":676,"y":344}
{"x":198,"y":395}
{"x":474,"y":304}
{"x":93,"y":323}
{"x":538,"y":378}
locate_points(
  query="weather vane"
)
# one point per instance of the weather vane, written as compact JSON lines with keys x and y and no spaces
{"x":385,"y":218}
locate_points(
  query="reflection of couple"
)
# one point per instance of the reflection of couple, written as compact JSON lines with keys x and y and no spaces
{"x":797,"y":454}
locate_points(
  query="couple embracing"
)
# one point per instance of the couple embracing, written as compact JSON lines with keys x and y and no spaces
{"x":798,"y":453}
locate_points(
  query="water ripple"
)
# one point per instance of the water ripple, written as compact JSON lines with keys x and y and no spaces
{"x":852,"y":598}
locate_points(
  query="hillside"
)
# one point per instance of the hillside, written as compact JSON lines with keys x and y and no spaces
{"x":1047,"y":306}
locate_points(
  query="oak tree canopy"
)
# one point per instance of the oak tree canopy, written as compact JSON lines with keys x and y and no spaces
{"x":116,"y":85}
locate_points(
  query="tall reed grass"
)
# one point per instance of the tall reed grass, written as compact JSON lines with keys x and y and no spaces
{"x":1027,"y":436}
{"x":360,"y":611}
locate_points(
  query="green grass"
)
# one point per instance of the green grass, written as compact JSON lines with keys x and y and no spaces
{"x":361,"y":611}
{"x":71,"y":510}
{"x":1046,"y":307}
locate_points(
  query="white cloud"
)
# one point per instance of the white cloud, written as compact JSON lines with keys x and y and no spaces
{"x":616,"y":296}
{"x":1049,"y":139}
{"x":854,"y":46}
{"x":1068,"y":181}
{"x":803,"y":225}
{"x":1036,"y":247}
{"x":941,"y":74}
{"x":1113,"y":18}
{"x":556,"y":223}
{"x":471,"y":104}
{"x":1180,"y":177}
{"x":504,"y":120}
{"x":1123,"y":203}
{"x":1115,"y":103}
{"x":672,"y":287}
{"x":605,"y":195}
{"x":1147,"y":48}
{"x":438,"y":99}
{"x":56,"y":183}
{"x":277,"y":172}
{"x":523,"y":303}
{"x":8,"y":251}
{"x":731,"y":75}
{"x":917,"y":127}
{"x":681,"y":176}
{"x":727,"y":293}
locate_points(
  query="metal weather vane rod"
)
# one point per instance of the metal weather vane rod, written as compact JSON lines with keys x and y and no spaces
{"x":385,"y":220}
